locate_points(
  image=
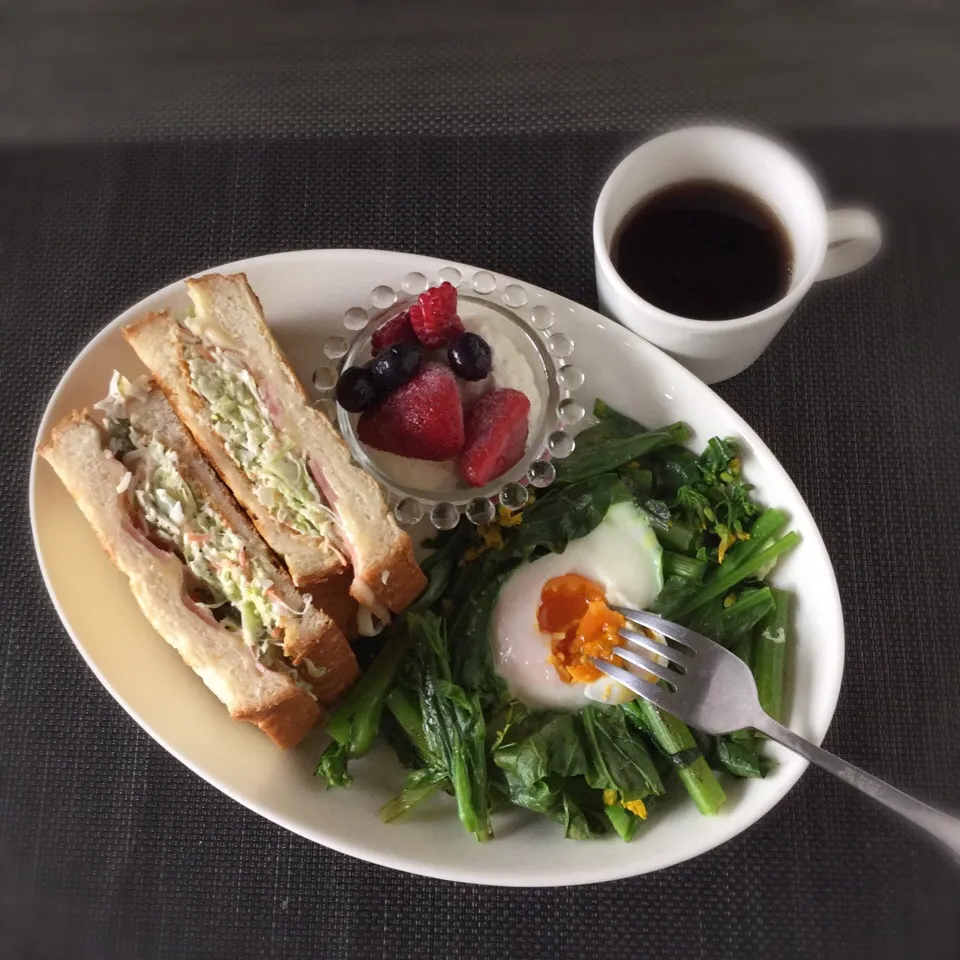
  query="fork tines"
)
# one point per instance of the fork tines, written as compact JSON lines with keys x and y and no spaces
{"x":647,"y":689}
{"x":653,"y":621}
{"x":654,"y":647}
{"x":645,"y":663}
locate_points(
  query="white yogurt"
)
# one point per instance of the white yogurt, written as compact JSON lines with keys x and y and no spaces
{"x":431,"y":475}
{"x":509,"y":369}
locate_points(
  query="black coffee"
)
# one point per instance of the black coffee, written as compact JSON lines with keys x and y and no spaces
{"x":704,"y":250}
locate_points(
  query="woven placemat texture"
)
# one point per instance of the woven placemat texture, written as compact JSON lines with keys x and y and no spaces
{"x":109,"y":848}
{"x":83,"y":69}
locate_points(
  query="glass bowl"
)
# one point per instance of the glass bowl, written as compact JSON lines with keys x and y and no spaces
{"x":528,"y":327}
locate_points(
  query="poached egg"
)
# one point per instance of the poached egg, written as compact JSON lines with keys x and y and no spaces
{"x":553,"y":614}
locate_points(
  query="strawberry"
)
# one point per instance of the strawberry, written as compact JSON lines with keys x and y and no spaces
{"x":434,"y":316}
{"x":396,"y":330}
{"x":422,"y":419}
{"x":496,"y":436}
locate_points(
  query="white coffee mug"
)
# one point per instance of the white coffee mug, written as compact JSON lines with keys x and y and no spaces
{"x":825,"y":243}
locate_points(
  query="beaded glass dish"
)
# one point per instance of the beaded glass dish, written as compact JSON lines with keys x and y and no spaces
{"x":529,"y":326}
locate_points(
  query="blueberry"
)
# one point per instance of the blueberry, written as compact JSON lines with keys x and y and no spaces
{"x":357,"y":390}
{"x":396,"y":365}
{"x":469,"y":356}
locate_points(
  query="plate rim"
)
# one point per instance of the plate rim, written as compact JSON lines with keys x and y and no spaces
{"x":788,"y":778}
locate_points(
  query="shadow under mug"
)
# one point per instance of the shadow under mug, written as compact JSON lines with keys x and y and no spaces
{"x":825,"y":243}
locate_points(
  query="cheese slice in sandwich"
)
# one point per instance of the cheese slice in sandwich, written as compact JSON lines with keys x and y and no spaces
{"x":227,"y":379}
{"x":196,"y":566}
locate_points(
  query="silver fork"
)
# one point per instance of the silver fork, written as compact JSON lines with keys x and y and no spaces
{"x":714,"y":691}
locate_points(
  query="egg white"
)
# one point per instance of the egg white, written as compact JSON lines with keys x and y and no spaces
{"x":623,"y":556}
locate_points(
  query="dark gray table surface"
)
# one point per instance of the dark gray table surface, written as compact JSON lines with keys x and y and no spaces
{"x":80,"y":69}
{"x":124,"y":169}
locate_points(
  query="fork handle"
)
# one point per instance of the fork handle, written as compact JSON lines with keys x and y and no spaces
{"x":941,"y":825}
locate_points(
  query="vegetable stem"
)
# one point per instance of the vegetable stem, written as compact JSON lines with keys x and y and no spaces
{"x":406,"y":711}
{"x":355,"y":723}
{"x":770,"y":649}
{"x":673,"y":535}
{"x":767,"y":525}
{"x":743,"y":648}
{"x":677,"y":565}
{"x":411,"y":796}
{"x":730,"y":578}
{"x":730,"y":625}
{"x":674,"y":738}
{"x":623,"y":821}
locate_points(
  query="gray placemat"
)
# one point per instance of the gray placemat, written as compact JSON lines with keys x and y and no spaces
{"x":109,"y":848}
{"x":126,"y":69}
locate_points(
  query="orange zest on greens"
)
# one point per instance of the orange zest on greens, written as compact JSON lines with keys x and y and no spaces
{"x":574,"y":611}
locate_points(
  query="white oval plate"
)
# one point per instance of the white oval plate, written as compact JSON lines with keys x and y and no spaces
{"x":304,"y":295}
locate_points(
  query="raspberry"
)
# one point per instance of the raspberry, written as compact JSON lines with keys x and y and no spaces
{"x":434,"y":316}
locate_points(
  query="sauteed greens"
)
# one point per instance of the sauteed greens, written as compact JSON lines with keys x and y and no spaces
{"x":433,"y":693}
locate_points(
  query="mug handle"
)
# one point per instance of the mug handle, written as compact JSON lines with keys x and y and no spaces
{"x":853,"y":240}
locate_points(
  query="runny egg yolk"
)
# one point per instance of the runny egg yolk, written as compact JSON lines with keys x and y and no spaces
{"x":574,"y":612}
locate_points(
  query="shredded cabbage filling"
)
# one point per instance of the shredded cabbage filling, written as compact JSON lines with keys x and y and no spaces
{"x":234,"y":577}
{"x":277,"y":469}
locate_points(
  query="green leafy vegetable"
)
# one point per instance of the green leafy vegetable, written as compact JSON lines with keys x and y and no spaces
{"x":600,"y":770}
{"x":764,"y":528}
{"x":441,"y":566}
{"x":686,"y":568}
{"x":727,"y":579}
{"x":675,"y":740}
{"x":673,"y":468}
{"x":333,"y":766}
{"x":677,"y":596}
{"x":565,"y":746}
{"x":618,"y":759}
{"x":567,"y":513}
{"x":622,"y":820}
{"x":419,"y":785}
{"x":770,"y":651}
{"x":732,"y":618}
{"x":402,"y":703}
{"x":637,"y":479}
{"x":612,"y":442}
{"x":453,"y":725}
{"x":356,"y":722}
{"x":470,"y":642}
{"x":741,"y":758}
{"x":542,"y":769}
{"x":717,"y":501}
{"x":673,"y":533}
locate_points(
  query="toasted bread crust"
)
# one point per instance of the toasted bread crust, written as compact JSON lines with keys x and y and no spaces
{"x":401,"y":581}
{"x":400,"y":576}
{"x":384,"y":568}
{"x":136,"y":327}
{"x":76,"y":420}
{"x":198,"y":286}
{"x":269,"y":699}
{"x":71,"y":420}
{"x":157,"y":340}
{"x":382,"y":557}
{"x":333,"y":595}
{"x":286,"y":720}
{"x":314,"y":636}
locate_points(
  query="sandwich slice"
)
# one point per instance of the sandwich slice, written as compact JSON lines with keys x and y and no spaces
{"x":224,"y":374}
{"x":196,"y":566}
